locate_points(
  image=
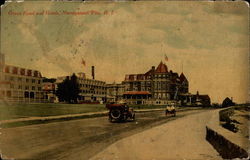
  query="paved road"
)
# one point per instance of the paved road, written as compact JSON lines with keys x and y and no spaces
{"x":183,"y":138}
{"x":76,"y":139}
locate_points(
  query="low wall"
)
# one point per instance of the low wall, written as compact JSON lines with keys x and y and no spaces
{"x":224,"y":147}
{"x":227,"y":143}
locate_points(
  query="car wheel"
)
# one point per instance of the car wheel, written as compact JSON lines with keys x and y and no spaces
{"x":115,"y":114}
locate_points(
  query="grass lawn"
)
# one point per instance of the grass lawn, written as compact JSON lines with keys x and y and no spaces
{"x":52,"y":109}
{"x":41,"y":110}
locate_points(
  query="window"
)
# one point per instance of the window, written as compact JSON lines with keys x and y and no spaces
{"x":33,"y":81}
{"x":32,"y":95}
{"x":35,"y":73}
{"x":29,"y":72}
{"x":158,"y":85}
{"x":38,"y":81}
{"x":22,"y":71}
{"x":27,"y":80}
{"x":12,"y":78}
{"x":33,"y":88}
{"x":8,"y":93}
{"x":20,"y":87}
{"x":39,"y":88}
{"x":19,"y":79}
{"x":7,"y":70}
{"x":14,"y":70}
{"x":26,"y":94}
{"x":159,"y":96}
{"x":26,"y":87}
{"x":163,"y":95}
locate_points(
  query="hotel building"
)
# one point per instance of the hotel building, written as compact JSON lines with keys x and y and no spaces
{"x":91,"y":90}
{"x":157,"y":86}
{"x":18,"y":84}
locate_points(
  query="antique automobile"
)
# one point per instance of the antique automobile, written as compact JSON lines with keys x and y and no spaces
{"x":120,"y":112}
{"x":170,"y":109}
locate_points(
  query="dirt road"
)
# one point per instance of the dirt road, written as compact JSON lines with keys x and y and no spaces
{"x":76,"y":139}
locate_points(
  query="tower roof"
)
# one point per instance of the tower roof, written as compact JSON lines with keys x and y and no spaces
{"x":182,"y":77}
{"x":162,"y":68}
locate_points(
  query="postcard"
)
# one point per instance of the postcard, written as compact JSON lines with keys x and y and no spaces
{"x":137,"y":80}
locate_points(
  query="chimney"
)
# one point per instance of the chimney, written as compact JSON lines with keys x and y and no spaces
{"x":197,"y":93}
{"x":153,"y":72}
{"x":153,"y":68}
{"x":93,"y":72}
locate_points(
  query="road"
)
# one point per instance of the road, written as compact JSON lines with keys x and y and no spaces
{"x":75,"y":139}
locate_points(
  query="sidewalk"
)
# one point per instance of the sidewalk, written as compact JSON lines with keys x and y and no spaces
{"x":183,"y":138}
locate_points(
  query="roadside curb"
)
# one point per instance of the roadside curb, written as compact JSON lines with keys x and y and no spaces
{"x":40,"y":120}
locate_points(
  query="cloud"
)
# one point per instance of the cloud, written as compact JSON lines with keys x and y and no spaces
{"x":175,"y":9}
{"x":235,"y":8}
{"x":238,"y":29}
{"x":209,"y":34}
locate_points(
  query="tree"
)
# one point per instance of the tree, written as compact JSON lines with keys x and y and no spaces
{"x":227,"y":102}
{"x":68,"y":91}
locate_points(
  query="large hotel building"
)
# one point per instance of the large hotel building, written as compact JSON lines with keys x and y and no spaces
{"x":91,"y":90}
{"x":157,"y":86}
{"x":19,"y":84}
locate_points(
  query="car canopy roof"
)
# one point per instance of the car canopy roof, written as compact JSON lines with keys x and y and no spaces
{"x":113,"y":106}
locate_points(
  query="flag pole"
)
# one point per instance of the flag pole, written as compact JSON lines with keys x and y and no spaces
{"x":181,"y":66}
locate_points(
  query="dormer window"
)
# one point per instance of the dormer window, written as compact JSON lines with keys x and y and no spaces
{"x":7,"y":69}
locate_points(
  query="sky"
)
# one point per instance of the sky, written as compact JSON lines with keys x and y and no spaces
{"x":209,"y":39}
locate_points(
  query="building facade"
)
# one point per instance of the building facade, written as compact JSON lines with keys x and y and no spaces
{"x":20,"y":84}
{"x":91,"y":90}
{"x":193,"y":100}
{"x":115,"y":92}
{"x":157,"y":86}
{"x":49,"y":89}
